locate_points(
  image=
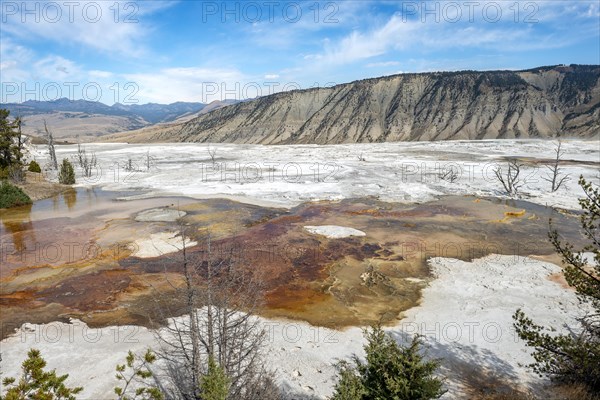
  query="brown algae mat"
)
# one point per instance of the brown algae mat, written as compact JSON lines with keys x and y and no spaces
{"x":329,"y":282}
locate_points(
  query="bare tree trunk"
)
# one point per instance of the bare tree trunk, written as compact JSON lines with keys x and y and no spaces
{"x":191,"y":305}
{"x":86,"y":163}
{"x":19,"y":122}
{"x":213,"y":154}
{"x":555,"y":176}
{"x":148,"y":161}
{"x":53,"y":161}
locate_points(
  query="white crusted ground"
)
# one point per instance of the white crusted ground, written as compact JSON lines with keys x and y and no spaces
{"x":334,"y":231}
{"x":159,"y":215}
{"x":158,"y":244}
{"x":465,"y":316}
{"x":289,"y":175}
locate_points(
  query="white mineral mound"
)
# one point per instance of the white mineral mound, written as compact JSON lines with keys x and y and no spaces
{"x":158,"y":244}
{"x":334,"y":231}
{"x":159,"y":215}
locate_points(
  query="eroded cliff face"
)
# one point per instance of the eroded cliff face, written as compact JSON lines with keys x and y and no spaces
{"x":542,"y":102}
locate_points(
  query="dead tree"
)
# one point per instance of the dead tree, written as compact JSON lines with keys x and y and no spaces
{"x":555,"y":176}
{"x":86,"y":163}
{"x":16,"y":174}
{"x":219,"y":299}
{"x":449,"y":174}
{"x":129,"y":166}
{"x":212,"y":152}
{"x":510,"y":181}
{"x":51,"y":151}
{"x":149,"y":160}
{"x":20,"y":141}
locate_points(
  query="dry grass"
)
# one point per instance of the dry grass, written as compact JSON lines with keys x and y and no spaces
{"x":554,"y":392}
{"x":37,"y":187}
{"x":513,"y":395}
{"x":71,"y":124}
{"x":573,"y":392}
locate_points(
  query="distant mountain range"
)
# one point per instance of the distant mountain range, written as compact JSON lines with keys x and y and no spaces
{"x":151,"y":112}
{"x":68,"y":118}
{"x":542,"y":102}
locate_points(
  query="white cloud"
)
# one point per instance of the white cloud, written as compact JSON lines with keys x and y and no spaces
{"x":514,"y":31}
{"x":15,"y":60}
{"x":358,"y":45}
{"x":100,"y":74}
{"x":383,"y":64}
{"x":25,"y":76}
{"x":271,"y":76}
{"x":190,"y":84}
{"x":284,"y":32}
{"x":94,"y":24}
{"x":56,"y":68}
{"x":20,"y":64}
{"x":593,"y":11}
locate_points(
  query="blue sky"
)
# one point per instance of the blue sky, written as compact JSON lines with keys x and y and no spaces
{"x":167,"y":51}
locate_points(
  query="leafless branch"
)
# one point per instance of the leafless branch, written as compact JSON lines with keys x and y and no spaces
{"x":510,"y":181}
{"x":555,"y":176}
{"x":219,"y":299}
{"x":449,"y":174}
{"x":212,"y":152}
{"x":87,"y":163}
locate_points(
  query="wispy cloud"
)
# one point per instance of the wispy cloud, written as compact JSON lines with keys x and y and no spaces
{"x":111,"y":27}
{"x":360,"y":45}
{"x":431,"y":27}
{"x":14,"y":60}
{"x":383,"y":64}
{"x":19,"y":64}
{"x":189,"y":84}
